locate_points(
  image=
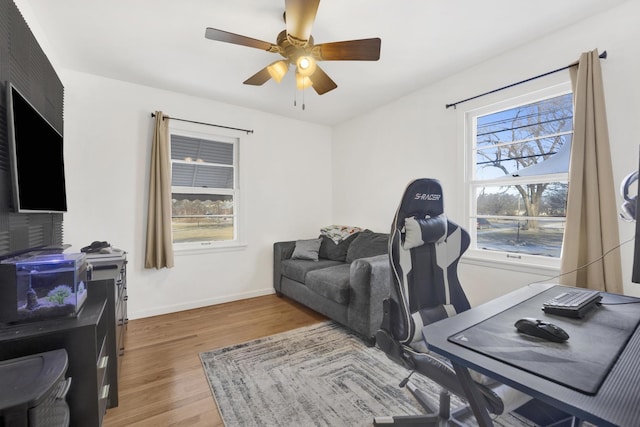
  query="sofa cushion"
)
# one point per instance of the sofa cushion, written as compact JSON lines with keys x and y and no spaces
{"x":331,"y":283}
{"x":307,"y":249}
{"x":367,"y":244}
{"x":297,"y":269}
{"x":337,"y":252}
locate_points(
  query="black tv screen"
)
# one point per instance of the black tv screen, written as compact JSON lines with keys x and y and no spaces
{"x":37,"y":160}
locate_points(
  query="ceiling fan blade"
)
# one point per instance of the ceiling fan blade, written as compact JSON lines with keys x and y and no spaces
{"x":227,"y":37}
{"x":351,"y":50}
{"x":299,"y":17}
{"x":259,"y":78}
{"x":322,"y":83}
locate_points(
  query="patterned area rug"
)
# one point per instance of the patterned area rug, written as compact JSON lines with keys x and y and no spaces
{"x":320,"y":375}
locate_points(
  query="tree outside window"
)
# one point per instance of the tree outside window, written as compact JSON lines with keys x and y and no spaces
{"x":519,"y":184}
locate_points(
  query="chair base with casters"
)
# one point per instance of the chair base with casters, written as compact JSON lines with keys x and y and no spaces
{"x":433,"y":416}
{"x":442,"y":415}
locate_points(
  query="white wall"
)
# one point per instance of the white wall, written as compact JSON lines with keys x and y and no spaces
{"x":377,"y":154}
{"x":284,"y":176}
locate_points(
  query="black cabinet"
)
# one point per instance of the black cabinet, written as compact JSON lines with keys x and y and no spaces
{"x":90,"y":348}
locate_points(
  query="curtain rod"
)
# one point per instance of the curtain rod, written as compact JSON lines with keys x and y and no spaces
{"x":248,"y":131}
{"x":603,"y":55}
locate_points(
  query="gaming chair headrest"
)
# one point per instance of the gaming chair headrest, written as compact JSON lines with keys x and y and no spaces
{"x":420,"y":214}
{"x":421,"y":198}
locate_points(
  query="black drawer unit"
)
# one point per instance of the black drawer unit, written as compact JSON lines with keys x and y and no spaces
{"x":112,"y":269}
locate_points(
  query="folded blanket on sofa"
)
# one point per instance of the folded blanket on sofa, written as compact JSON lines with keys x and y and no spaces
{"x":338,"y":233}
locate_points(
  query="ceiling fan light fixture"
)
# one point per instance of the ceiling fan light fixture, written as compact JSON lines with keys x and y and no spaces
{"x":303,"y":82}
{"x":278,"y":69}
{"x":306,"y":65}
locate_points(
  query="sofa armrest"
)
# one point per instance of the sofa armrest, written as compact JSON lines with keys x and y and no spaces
{"x":281,"y":251}
{"x":370,"y":281}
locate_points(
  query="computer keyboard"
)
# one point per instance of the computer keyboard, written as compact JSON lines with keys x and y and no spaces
{"x":572,"y":303}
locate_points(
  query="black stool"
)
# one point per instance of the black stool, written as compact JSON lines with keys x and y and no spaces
{"x":33,"y":390}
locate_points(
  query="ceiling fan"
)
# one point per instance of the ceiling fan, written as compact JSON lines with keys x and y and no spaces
{"x":296,"y":45}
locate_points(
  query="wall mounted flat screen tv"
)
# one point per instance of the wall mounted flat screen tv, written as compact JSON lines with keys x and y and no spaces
{"x":37,"y":160}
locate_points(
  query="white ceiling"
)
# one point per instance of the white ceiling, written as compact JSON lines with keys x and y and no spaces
{"x":161,"y":43}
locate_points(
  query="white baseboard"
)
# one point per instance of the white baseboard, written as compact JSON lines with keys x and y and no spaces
{"x":198,"y":304}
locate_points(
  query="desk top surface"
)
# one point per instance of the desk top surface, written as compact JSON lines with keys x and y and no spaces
{"x":617,"y":402}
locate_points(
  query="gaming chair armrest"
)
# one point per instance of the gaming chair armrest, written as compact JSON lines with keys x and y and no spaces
{"x":281,"y":251}
{"x":370,"y":281}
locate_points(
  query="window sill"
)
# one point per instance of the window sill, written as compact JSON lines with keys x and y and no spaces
{"x":207,"y":247}
{"x":522,"y":266}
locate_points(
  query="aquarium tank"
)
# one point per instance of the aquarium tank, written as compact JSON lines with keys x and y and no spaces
{"x":36,"y":286}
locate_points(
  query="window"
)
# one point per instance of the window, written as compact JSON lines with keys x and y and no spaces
{"x":517,"y":181}
{"x":205,"y":191}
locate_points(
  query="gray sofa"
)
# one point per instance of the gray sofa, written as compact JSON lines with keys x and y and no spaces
{"x":346,"y":282}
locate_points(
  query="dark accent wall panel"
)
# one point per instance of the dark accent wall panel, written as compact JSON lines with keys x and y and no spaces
{"x":25,"y":65}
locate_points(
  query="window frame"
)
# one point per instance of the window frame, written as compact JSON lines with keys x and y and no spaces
{"x":535,"y":264}
{"x":201,"y":131}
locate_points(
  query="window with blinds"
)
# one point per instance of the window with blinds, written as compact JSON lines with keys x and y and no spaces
{"x":517,"y":180}
{"x":204,"y":180}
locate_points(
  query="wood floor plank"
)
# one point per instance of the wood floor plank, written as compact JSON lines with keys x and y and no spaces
{"x":162,"y":382}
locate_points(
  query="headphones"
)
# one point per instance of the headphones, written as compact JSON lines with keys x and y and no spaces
{"x":629,"y":206}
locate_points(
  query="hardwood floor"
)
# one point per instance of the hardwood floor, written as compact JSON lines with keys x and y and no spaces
{"x":162,"y":382}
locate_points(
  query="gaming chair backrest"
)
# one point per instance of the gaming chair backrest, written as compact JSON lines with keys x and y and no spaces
{"x":424,"y":249}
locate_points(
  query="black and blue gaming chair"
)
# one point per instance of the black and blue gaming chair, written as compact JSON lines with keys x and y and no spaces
{"x":424,"y":250}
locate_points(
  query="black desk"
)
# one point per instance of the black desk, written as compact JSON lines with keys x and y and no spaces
{"x":617,"y":402}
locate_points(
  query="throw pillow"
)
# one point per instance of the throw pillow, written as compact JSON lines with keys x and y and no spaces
{"x":307,"y":249}
{"x":335,"y":251}
{"x":367,"y":244}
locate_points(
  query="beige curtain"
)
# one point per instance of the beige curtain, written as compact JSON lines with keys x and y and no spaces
{"x":159,"y":248}
{"x":592,"y":220}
